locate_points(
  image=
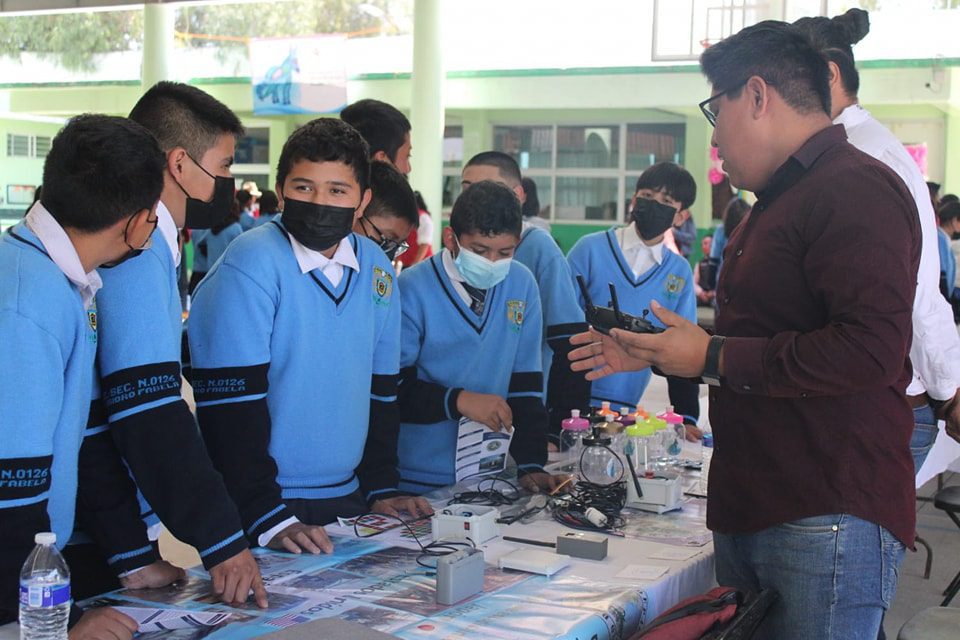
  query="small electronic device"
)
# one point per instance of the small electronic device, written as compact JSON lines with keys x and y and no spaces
{"x":603,"y":319}
{"x":659,"y":494}
{"x":459,"y":575}
{"x":579,"y":544}
{"x":543,"y":562}
{"x":466,"y":522}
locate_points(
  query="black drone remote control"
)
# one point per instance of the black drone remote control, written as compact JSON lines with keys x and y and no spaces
{"x":603,"y":319}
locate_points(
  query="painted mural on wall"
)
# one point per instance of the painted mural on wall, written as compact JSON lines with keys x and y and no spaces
{"x":298,"y":75}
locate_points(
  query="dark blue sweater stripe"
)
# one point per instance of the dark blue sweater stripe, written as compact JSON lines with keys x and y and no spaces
{"x":23,"y":478}
{"x":136,"y":386}
{"x":224,"y":383}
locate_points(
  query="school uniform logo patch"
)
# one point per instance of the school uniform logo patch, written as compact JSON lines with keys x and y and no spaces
{"x":92,"y":320}
{"x":674,"y":284}
{"x":515,"y":313}
{"x":382,"y":285}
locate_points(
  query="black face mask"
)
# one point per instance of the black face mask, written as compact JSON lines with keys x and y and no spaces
{"x":132,"y":253}
{"x":316,"y":226}
{"x":652,"y":218}
{"x":206,"y":215}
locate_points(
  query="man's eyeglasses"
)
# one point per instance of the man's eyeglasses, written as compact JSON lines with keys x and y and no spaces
{"x":707,"y":109}
{"x":390,"y":247}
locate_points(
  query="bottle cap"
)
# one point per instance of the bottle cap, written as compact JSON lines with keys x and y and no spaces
{"x":46,"y":538}
{"x":608,"y":417}
{"x":574,"y":413}
{"x":670,"y":416}
{"x":639,"y":430}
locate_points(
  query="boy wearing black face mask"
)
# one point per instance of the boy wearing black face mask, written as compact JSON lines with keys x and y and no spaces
{"x":392,"y":212}
{"x":140,"y":318}
{"x":635,"y":260}
{"x":300,"y":416}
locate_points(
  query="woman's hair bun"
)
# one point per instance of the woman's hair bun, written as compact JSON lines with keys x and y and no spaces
{"x":855,"y":24}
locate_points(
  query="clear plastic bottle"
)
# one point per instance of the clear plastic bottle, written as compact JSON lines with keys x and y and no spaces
{"x":636,"y":447}
{"x":705,"y":464}
{"x":572,"y":431}
{"x":674,"y":444}
{"x":44,"y":592}
{"x":599,"y":464}
{"x":664,"y":437}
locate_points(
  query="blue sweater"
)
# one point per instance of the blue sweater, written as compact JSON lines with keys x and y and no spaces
{"x":948,"y":263}
{"x":49,"y":346}
{"x":265,"y":218}
{"x":291,"y":372}
{"x":600,"y":260}
{"x":209,"y":246}
{"x":139,"y":363}
{"x":562,"y":318}
{"x":446,"y":348}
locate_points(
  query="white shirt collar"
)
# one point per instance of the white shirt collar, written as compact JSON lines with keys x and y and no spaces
{"x":632,"y":245}
{"x":451,"y":267}
{"x":308,"y":259}
{"x":852,"y":116}
{"x":168,"y":228}
{"x":61,"y":250}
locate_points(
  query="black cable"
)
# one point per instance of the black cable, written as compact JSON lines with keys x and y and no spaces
{"x":489,"y":497}
{"x":608,"y":499}
{"x":436,"y":548}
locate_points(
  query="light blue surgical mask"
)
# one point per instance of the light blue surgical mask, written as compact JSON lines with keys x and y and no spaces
{"x":480,"y":272}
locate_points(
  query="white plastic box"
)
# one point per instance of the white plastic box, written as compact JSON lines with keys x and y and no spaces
{"x":466,"y":522}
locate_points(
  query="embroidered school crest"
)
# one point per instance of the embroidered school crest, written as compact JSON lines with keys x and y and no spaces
{"x":515,"y":313}
{"x":674,"y":284}
{"x":92,"y":320}
{"x":382,"y":285}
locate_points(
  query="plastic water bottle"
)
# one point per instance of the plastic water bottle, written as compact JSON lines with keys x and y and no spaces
{"x":705,"y":463}
{"x":674,"y":443}
{"x":572,"y":431}
{"x":44,"y":592}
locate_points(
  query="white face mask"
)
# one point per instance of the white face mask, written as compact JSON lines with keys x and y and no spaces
{"x":481,"y":272}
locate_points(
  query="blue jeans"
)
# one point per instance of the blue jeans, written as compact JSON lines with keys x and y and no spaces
{"x":836,"y":575}
{"x":924,"y":434}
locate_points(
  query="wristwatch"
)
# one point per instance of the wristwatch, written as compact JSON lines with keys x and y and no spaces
{"x":711,"y":368}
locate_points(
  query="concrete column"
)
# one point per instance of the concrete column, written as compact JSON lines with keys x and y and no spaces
{"x":158,"y":37}
{"x":426,"y":108}
{"x":696,"y":160}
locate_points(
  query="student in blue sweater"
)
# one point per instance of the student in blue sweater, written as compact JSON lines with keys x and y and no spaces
{"x":392,"y":212}
{"x":209,"y":244}
{"x":269,"y":208}
{"x":562,"y":315}
{"x":471,"y":345}
{"x":102,"y":178}
{"x":635,"y":260}
{"x":140,"y":342}
{"x":300,"y":415}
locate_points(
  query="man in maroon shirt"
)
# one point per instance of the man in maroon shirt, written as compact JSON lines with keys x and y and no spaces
{"x":811,"y":486}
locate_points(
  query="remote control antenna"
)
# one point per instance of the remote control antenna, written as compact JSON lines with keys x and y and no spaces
{"x":615,"y":303}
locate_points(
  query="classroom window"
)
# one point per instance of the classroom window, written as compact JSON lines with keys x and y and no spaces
{"x":592,"y":168}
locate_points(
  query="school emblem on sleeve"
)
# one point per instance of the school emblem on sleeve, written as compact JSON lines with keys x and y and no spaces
{"x":382,"y":285}
{"x":515,"y":313}
{"x":674,"y":285}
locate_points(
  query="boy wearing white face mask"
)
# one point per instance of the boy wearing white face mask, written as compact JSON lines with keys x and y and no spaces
{"x":470,"y":345}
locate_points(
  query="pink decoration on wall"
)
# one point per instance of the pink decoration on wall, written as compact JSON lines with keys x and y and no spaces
{"x":919,"y":154}
{"x":716,"y":173}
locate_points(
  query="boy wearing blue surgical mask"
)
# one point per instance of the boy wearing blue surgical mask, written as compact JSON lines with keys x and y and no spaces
{"x":300,"y":416}
{"x":471,"y":344}
{"x":633,"y":258}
